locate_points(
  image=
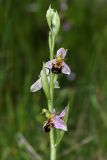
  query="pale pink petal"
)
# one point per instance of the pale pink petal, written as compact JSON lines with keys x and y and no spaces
{"x":61,"y":51}
{"x":65,"y":69}
{"x":49,"y":63}
{"x":59,"y":123}
{"x":36,"y":86}
{"x":62,"y":114}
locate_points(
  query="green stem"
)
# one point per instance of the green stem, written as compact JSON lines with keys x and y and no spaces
{"x":51,"y":88}
{"x":52,"y":145}
{"x":50,"y":102}
{"x":51,"y":43}
{"x":51,"y":46}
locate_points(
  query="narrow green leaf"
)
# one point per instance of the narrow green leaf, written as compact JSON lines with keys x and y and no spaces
{"x":45,"y":83}
{"x":60,"y":133}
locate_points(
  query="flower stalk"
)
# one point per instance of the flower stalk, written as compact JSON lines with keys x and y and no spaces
{"x":54,"y":25}
{"x":51,"y":42}
{"x":48,"y":81}
{"x":52,"y":143}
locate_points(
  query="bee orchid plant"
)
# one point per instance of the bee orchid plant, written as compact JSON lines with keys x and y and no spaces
{"x":48,"y":81}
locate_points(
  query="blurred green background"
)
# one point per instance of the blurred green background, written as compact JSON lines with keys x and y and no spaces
{"x":24,"y":47}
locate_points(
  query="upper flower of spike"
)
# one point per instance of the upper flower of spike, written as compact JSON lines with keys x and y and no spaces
{"x":61,"y":52}
{"x":54,"y":120}
{"x":58,"y":65}
{"x":38,"y":84}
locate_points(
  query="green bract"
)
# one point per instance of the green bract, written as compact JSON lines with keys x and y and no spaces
{"x":45,"y":83}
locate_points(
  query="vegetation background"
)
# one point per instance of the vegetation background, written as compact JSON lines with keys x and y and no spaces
{"x":24,"y":47}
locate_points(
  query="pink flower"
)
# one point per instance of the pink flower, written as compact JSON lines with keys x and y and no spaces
{"x":54,"y":120}
{"x":58,"y":65}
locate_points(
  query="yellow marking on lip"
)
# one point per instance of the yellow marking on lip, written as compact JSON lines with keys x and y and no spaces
{"x":48,"y":114}
{"x":59,"y":58}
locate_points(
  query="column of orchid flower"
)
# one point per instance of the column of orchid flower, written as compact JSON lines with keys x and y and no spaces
{"x":48,"y":81}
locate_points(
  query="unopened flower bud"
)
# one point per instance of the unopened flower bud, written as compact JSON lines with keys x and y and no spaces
{"x":56,"y":23}
{"x":49,"y":16}
{"x":53,"y":20}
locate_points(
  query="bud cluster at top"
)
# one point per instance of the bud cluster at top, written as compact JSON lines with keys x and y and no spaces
{"x":53,"y":20}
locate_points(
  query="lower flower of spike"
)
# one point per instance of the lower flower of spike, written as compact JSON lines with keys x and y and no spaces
{"x":58,"y":65}
{"x":54,"y":120}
